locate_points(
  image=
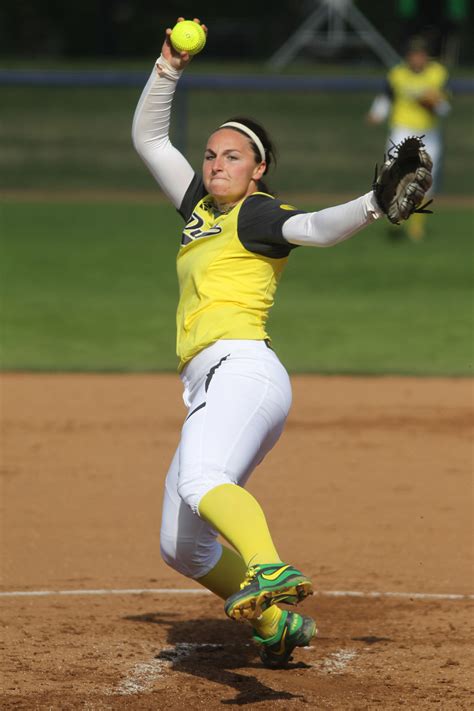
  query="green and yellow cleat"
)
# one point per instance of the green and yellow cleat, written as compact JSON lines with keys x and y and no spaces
{"x":294,"y":630}
{"x":265,"y":585}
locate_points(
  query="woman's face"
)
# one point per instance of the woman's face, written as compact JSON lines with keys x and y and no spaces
{"x":417,"y":60}
{"x":229,"y":169}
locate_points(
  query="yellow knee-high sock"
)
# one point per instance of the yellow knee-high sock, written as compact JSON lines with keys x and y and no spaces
{"x":238,"y":517}
{"x":224,"y":579}
{"x":267,"y":624}
{"x":416,"y":226}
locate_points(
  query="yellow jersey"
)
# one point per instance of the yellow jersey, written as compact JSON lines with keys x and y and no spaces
{"x":406,"y":87}
{"x":228,"y":265}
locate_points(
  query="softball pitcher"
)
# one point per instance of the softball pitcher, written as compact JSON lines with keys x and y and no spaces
{"x":235,"y":244}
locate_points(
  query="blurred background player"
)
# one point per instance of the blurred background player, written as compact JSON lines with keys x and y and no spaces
{"x":414,"y":100}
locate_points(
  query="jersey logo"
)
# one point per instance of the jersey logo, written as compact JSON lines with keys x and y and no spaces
{"x":287,"y":207}
{"x":193,"y":230}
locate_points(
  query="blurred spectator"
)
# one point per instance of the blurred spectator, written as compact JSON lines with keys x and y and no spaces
{"x":414,"y":100}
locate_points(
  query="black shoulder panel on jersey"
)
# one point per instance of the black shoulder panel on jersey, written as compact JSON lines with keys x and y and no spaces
{"x":194,"y":193}
{"x":260,"y":223}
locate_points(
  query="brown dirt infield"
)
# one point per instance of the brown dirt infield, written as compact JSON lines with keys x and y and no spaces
{"x":369,"y":490}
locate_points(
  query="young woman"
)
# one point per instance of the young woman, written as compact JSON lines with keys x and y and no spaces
{"x":234,"y":246}
{"x":415,"y":100}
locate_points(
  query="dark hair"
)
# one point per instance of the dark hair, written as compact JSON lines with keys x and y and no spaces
{"x":268,"y":145}
{"x":417,"y":43}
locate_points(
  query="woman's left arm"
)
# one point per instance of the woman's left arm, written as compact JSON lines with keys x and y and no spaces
{"x":332,"y":225}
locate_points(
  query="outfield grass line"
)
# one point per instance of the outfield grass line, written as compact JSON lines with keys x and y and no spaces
{"x":131,"y":371}
{"x":201,"y":591}
{"x":155,"y":196}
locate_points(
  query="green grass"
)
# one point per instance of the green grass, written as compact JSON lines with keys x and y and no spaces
{"x":374,"y":305}
{"x":79,"y":138}
{"x":88,"y":286}
{"x":93,"y":287}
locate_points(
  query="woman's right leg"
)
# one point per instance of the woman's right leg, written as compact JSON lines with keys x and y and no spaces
{"x":189,"y":545}
{"x":237,"y":412}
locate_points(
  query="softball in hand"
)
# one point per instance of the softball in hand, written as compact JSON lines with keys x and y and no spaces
{"x":188,"y":36}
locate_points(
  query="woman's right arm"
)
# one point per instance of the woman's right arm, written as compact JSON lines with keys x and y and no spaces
{"x":151,"y":122}
{"x":381,"y":106}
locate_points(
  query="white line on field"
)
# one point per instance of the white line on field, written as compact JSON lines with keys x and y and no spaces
{"x":108,"y":591}
{"x":141,"y":678}
{"x":143,"y":675}
{"x":202,"y":591}
{"x":414,"y":595}
{"x":336,"y":662}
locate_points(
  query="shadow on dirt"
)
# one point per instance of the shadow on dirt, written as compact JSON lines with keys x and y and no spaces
{"x":214,"y":649}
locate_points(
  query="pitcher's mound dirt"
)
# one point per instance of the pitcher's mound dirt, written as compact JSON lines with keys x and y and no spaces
{"x":368,"y":490}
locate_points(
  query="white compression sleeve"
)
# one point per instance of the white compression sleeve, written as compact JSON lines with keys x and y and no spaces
{"x":332,"y":225}
{"x":442,"y":108}
{"x":380,"y":108}
{"x":150,"y":133}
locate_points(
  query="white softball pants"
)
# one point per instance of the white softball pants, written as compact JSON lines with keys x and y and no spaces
{"x":433,"y":145}
{"x":238,"y":396}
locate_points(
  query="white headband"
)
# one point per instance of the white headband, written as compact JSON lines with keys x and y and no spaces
{"x":251,"y":134}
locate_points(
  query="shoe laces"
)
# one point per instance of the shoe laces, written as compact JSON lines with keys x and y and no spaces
{"x":249,"y":576}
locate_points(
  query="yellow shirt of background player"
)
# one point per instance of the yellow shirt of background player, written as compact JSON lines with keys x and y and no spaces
{"x":408,"y":87}
{"x":228,"y":268}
